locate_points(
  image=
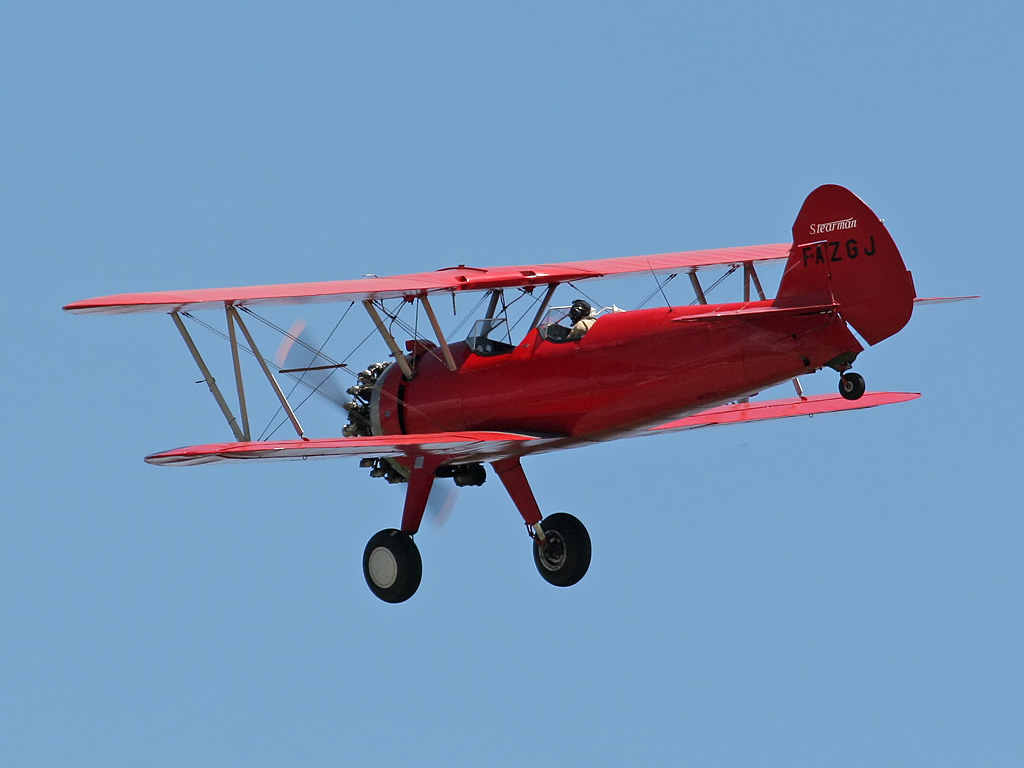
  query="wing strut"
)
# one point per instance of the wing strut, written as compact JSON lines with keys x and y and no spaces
{"x":750,"y":276}
{"x":233,"y":313}
{"x":749,"y":273}
{"x":543,"y":305}
{"x":492,"y":307}
{"x":448,"y":359}
{"x":208,"y":378}
{"x":701,"y":298}
{"x":388,"y":339}
{"x":243,"y":409}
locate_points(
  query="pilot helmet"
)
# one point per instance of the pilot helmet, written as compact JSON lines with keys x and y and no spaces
{"x":579,"y":310}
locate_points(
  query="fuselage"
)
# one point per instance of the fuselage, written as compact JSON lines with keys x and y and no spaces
{"x":632,"y":369}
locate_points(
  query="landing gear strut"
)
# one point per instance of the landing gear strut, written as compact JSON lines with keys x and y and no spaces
{"x":851,"y":385}
{"x":391,"y":561}
{"x":561,"y":545}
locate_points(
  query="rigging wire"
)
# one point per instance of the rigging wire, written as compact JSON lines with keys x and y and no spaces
{"x":290,"y":335}
{"x":341,"y":366}
{"x":526,"y":310}
{"x":298,"y":379}
{"x":467,"y":315}
{"x":591,"y":299}
{"x":661,"y":287}
{"x":718,"y":282}
{"x":346,"y":369}
{"x":395,"y":320}
{"x":314,"y":390}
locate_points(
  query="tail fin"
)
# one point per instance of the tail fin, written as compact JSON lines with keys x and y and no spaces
{"x":843,"y":254}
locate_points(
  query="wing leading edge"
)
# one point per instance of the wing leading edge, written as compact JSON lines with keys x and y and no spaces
{"x":453,"y":279}
{"x":466,"y":447}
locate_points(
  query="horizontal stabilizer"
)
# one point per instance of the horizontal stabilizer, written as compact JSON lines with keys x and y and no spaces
{"x":458,"y":447}
{"x":759,"y":311}
{"x":743,"y":413}
{"x":944,"y":299}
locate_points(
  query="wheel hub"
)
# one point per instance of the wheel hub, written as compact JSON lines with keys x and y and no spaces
{"x":383,"y":567}
{"x":552,"y":556}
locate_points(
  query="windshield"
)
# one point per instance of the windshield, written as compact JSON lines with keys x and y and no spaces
{"x":479,"y":337}
{"x":555,"y":324}
{"x":482,"y":329}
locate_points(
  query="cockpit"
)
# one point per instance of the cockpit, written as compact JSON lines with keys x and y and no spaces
{"x":557,"y":324}
{"x":568,"y":323}
{"x":479,"y":339}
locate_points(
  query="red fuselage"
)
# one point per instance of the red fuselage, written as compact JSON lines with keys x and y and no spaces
{"x":632,"y":369}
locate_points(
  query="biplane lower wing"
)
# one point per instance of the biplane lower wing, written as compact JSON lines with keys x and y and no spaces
{"x":467,"y":447}
{"x":454,"y":447}
{"x":744,"y":413}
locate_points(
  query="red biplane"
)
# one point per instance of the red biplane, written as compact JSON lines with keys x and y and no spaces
{"x":443,"y":409}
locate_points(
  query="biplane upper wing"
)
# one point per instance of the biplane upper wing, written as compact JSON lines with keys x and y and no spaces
{"x":460,"y":278}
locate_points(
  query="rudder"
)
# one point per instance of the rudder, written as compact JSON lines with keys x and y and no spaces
{"x":842,"y":253}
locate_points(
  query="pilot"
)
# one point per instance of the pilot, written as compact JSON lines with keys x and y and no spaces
{"x":582,"y":317}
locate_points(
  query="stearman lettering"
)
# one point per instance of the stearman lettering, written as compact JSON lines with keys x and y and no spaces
{"x":833,"y":226}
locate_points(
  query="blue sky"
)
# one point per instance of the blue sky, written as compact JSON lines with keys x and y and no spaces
{"x":843,"y":590}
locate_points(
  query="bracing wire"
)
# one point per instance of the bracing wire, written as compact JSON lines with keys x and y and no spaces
{"x":526,"y":309}
{"x":591,"y":299}
{"x":718,"y":282}
{"x":660,"y":287}
{"x":314,"y":390}
{"x":297,"y":378}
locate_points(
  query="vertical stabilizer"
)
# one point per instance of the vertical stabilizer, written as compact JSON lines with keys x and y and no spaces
{"x":842,"y":253}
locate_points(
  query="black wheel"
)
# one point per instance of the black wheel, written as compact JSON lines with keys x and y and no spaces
{"x":392,"y":566}
{"x":851,"y":385}
{"x":564,"y":558}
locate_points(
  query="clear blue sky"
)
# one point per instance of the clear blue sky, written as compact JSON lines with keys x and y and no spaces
{"x":844,"y":590}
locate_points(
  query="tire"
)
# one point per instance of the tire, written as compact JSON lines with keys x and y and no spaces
{"x":851,"y":385}
{"x":566,"y":557}
{"x":392,"y":566}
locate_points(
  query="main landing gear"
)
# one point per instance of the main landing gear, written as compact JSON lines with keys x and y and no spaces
{"x":391,"y":560}
{"x":392,"y":566}
{"x":563,"y":555}
{"x":851,"y":385}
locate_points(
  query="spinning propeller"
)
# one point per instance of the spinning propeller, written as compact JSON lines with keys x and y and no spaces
{"x":300,"y":356}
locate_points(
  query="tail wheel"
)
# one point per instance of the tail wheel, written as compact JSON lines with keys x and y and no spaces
{"x":851,"y":385}
{"x":392,"y":566}
{"x":564,"y":556}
